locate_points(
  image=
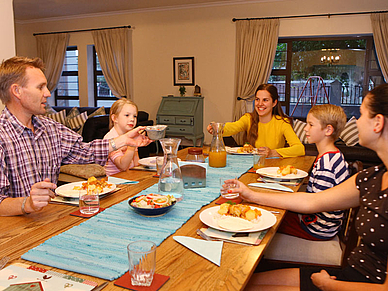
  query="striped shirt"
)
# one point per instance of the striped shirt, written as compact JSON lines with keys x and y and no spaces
{"x":27,"y":157}
{"x":330,"y":169}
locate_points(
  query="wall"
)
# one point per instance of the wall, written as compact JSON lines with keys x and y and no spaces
{"x":7,"y":33}
{"x":208,"y":34}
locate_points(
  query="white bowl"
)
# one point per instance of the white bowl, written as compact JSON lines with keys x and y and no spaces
{"x":156,"y":132}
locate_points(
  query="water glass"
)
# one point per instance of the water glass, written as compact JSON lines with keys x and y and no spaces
{"x":142,"y":262}
{"x":227,"y":190}
{"x":89,"y":202}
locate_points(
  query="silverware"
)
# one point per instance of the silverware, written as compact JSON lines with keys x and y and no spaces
{"x":100,"y":287}
{"x":3,"y":262}
{"x":206,"y":237}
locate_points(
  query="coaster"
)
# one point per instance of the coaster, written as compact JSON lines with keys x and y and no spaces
{"x":224,"y":200}
{"x":79,"y":214}
{"x":158,"y":281}
{"x":251,"y":170}
{"x":156,"y":176}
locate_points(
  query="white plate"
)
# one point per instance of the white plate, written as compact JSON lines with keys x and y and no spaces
{"x":233,"y":151}
{"x":149,"y":162}
{"x":272,"y":172}
{"x":67,"y":190}
{"x":266,"y":220}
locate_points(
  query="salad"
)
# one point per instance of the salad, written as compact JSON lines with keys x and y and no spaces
{"x":153,"y":201}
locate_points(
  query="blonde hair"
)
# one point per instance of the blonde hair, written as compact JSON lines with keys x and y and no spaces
{"x":13,"y":71}
{"x":330,"y":114}
{"x":116,"y":108}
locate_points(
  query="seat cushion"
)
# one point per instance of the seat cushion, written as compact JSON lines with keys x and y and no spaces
{"x":289,"y":248}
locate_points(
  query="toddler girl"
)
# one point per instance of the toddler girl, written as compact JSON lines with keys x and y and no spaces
{"x":122,"y":118}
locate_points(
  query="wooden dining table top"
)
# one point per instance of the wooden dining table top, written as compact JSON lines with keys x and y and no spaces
{"x":186,"y":269}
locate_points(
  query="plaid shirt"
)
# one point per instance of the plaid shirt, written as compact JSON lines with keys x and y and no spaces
{"x":27,"y":157}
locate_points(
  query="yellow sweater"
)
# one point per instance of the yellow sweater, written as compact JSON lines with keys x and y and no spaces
{"x":272,"y":134}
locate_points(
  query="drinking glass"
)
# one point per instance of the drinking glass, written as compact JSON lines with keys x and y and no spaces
{"x":89,"y":201}
{"x":226,"y":190}
{"x":258,"y":160}
{"x":142,"y":262}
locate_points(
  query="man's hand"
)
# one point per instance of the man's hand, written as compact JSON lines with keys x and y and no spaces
{"x":40,"y":195}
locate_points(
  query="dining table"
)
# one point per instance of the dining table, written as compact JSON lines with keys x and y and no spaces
{"x":186,"y":269}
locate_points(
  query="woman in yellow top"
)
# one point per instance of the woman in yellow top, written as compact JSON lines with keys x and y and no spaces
{"x":267,"y":127}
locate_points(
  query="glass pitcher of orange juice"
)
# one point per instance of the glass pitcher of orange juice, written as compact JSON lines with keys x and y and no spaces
{"x":217,"y":152}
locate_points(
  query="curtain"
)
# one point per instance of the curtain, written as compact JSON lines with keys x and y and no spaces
{"x":112,"y":47}
{"x":52,"y":50}
{"x":380,"y":36}
{"x":256,"y":42}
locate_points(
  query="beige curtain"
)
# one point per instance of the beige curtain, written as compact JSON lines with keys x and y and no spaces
{"x":380,"y":36}
{"x":256,"y":42}
{"x":52,"y":50}
{"x":112,"y":47}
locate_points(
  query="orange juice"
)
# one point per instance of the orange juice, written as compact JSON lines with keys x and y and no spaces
{"x":217,"y":159}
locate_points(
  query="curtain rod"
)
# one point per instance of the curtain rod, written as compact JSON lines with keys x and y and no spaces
{"x":310,"y":15}
{"x":81,"y":30}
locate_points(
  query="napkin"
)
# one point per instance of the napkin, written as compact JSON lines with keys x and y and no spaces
{"x":117,"y":181}
{"x":210,"y":250}
{"x":272,"y":186}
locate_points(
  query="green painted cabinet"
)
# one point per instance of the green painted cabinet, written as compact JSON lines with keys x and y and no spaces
{"x":183,"y":116}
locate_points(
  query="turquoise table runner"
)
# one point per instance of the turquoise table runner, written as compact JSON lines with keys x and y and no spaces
{"x":98,"y":246}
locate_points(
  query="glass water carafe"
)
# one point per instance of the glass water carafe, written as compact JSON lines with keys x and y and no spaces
{"x":217,"y":152}
{"x":170,"y":178}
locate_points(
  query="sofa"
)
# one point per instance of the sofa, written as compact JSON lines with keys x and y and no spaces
{"x":96,"y":126}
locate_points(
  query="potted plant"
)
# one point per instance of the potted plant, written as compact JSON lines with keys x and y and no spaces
{"x":182,"y":90}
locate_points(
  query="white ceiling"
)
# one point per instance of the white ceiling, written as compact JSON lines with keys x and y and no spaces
{"x":28,"y":10}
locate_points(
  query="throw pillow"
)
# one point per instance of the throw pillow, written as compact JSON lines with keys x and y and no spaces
{"x":59,"y":117}
{"x":299,"y":130}
{"x":350,"y":133}
{"x":77,"y":122}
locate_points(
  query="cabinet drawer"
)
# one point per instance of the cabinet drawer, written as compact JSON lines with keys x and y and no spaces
{"x":166,"y":119}
{"x":176,"y":129}
{"x":184,"y":120}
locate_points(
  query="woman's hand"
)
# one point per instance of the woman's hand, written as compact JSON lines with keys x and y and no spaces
{"x":210,"y":128}
{"x":321,"y":279}
{"x":267,"y":152}
{"x":244,"y":191}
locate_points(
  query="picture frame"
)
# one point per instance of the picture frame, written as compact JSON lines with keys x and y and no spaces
{"x":183,"y":71}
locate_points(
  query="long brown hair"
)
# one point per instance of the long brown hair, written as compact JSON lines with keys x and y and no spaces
{"x":276,"y":111}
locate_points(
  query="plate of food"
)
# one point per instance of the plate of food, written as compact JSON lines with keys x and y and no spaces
{"x":72,"y":190}
{"x":152,"y":204}
{"x":282,"y":172}
{"x":247,"y":149}
{"x":237,"y":218}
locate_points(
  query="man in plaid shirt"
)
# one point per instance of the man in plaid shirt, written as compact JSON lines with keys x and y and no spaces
{"x":33,"y":147}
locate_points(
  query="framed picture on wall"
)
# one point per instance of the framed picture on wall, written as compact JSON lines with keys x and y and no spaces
{"x":183,"y":71}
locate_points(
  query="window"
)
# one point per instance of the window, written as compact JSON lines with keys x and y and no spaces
{"x":103,"y":96}
{"x":67,"y":93}
{"x":339,"y":69}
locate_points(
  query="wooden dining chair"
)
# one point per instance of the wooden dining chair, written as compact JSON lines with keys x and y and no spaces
{"x":286,"y":249}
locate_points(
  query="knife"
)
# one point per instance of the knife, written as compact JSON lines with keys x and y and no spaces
{"x":272,"y":186}
{"x":100,"y":287}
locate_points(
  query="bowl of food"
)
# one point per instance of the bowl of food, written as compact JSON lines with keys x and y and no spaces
{"x":152,"y":204}
{"x":156,"y":132}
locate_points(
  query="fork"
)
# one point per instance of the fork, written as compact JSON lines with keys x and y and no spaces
{"x":206,"y":237}
{"x":3,"y":262}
